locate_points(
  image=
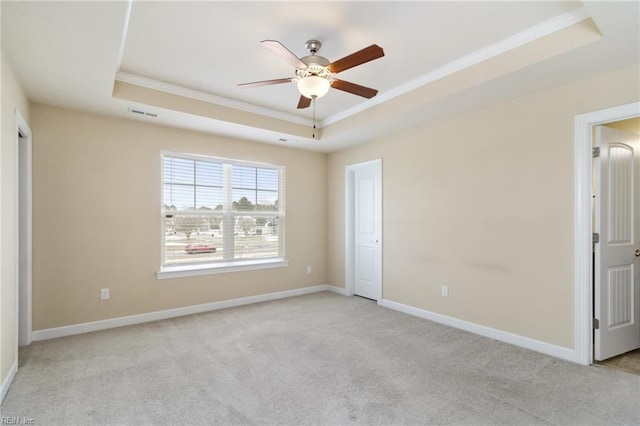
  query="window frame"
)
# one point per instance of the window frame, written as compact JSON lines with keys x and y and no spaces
{"x":195,"y":268}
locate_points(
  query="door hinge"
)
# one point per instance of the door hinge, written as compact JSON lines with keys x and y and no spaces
{"x":595,"y":237}
{"x":595,"y":152}
{"x":596,"y":324}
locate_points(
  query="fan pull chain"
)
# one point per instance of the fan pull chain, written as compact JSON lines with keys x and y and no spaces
{"x":314,"y":117}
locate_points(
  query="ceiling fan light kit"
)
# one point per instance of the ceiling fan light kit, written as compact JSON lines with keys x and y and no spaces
{"x":313,"y":86}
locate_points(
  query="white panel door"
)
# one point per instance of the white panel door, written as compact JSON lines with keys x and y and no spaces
{"x":617,"y":263}
{"x":367,"y":233}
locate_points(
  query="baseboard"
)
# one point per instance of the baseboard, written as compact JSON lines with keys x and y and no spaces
{"x":503,"y":336}
{"x":87,"y":327}
{"x":339,"y":290}
{"x":6,"y":382}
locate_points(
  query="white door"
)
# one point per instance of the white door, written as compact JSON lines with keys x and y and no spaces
{"x":617,"y":262}
{"x":367,"y":224}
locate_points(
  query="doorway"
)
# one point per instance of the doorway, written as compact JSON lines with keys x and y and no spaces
{"x":583,"y":226}
{"x":23,"y":217}
{"x":363,"y":228}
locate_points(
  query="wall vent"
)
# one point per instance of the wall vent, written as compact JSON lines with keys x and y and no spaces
{"x":140,"y":112}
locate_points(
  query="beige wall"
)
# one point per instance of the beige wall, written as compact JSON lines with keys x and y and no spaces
{"x":96,"y":221}
{"x":484,"y":204}
{"x":631,"y":125}
{"x":13,"y":99}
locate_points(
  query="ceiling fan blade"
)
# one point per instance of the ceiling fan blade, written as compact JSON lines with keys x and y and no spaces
{"x":279,"y":49}
{"x":266,"y":82}
{"x":358,"y":58}
{"x":304,"y":102}
{"x":356,"y":89}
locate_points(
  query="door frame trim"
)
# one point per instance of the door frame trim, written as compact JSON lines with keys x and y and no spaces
{"x":583,"y":190}
{"x":349,"y":226}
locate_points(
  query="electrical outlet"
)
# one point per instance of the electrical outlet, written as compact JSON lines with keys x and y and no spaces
{"x":104,"y":293}
{"x":445,"y":290}
{"x":308,"y":269}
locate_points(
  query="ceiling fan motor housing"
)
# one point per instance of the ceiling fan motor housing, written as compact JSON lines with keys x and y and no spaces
{"x":315,"y":60}
{"x":316,"y":64}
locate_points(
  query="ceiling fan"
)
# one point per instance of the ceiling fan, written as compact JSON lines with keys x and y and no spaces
{"x":314,"y":74}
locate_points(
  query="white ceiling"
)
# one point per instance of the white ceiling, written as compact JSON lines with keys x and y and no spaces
{"x":71,"y":54}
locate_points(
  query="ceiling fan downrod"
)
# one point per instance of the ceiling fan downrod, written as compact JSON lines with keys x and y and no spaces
{"x":313,"y":46}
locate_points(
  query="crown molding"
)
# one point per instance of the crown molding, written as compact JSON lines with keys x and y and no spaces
{"x":123,"y":38}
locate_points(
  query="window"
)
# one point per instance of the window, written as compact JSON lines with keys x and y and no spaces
{"x":219,"y":213}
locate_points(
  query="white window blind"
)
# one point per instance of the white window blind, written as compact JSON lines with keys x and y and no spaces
{"x":220,"y":211}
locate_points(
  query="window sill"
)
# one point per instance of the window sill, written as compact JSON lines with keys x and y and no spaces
{"x":168,"y":272}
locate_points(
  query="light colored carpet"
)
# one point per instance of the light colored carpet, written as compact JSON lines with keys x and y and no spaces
{"x":315,"y":359}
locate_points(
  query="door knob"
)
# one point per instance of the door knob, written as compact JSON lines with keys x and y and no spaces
{"x":637,"y":253}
